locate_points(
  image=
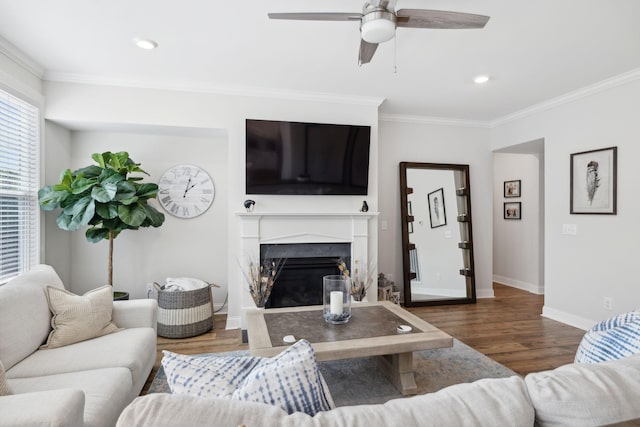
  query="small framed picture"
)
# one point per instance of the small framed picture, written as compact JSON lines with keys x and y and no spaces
{"x":513,"y":210}
{"x":410,"y":227}
{"x":437,"y":212}
{"x":512,"y":188}
{"x":593,"y":179}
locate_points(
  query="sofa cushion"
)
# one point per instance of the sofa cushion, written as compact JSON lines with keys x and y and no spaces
{"x":134,"y":349}
{"x":488,"y":402}
{"x":587,"y":394}
{"x":25,"y":319}
{"x":107,"y":391}
{"x":290,"y":380}
{"x":4,"y":387}
{"x":55,"y":408}
{"x":78,"y":318}
{"x":611,"y":339}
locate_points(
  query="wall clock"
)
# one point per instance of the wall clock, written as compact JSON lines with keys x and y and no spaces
{"x":185,"y":191}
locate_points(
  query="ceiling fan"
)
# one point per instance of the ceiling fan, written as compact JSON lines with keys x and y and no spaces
{"x":378,"y":22}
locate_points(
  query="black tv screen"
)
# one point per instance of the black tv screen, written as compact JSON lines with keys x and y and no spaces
{"x":306,"y":158}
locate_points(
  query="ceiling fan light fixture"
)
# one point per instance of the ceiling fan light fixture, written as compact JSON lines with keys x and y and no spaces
{"x":146,"y":44}
{"x":378,"y":27}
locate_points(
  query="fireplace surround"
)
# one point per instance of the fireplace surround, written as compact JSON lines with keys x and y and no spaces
{"x":356,"y":229}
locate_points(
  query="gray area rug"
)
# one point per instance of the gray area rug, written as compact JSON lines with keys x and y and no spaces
{"x":358,"y":381}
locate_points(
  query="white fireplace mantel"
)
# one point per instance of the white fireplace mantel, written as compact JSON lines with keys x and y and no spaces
{"x":258,"y":228}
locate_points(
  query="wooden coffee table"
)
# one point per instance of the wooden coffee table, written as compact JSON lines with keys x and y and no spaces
{"x":372,"y":331}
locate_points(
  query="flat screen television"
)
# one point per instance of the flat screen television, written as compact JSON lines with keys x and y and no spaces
{"x":306,"y":158}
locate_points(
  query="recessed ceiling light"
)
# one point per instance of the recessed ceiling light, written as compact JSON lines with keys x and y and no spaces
{"x":481,"y":79}
{"x":147,"y":44}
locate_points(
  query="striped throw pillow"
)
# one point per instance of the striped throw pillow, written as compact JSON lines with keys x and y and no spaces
{"x":290,"y":380}
{"x":611,"y":339}
{"x":79,"y":317}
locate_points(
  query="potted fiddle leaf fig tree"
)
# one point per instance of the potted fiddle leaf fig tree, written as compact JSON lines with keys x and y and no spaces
{"x":104,"y":197}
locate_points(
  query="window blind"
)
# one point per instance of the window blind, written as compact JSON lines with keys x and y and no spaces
{"x":19,"y":165}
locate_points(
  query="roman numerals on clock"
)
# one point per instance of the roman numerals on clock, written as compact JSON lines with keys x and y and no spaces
{"x":186,"y":191}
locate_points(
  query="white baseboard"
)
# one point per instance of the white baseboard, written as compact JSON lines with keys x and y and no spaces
{"x":234,"y":322}
{"x":518,"y":284}
{"x":485,"y":293}
{"x":567,"y":318}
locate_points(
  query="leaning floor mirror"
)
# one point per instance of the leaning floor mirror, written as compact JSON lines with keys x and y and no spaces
{"x":437,"y":243}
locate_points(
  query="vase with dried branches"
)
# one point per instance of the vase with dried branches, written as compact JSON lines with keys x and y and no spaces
{"x":360,"y":281}
{"x":261,"y":276}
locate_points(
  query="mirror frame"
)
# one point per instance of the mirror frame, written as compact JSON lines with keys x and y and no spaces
{"x":464,"y":218}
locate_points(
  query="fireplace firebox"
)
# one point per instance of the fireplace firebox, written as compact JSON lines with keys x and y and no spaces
{"x":305,"y":264}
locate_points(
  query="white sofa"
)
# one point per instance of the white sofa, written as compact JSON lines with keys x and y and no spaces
{"x":83,"y":384}
{"x":573,"y":395}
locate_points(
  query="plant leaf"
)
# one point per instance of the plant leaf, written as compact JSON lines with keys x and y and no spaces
{"x":92,"y":171}
{"x":83,"y":211}
{"x":64,"y":221}
{"x":154,"y":217}
{"x":126,"y":190}
{"x":110,"y":176}
{"x":149,"y":190}
{"x":104,"y":193}
{"x":80,"y":185}
{"x":132,"y":215}
{"x":49,"y":198}
{"x":99,"y":159}
{"x":107,"y":211}
{"x":130,"y":201}
{"x":95,"y":234}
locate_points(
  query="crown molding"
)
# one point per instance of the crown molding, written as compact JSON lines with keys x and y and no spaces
{"x":441,"y":121}
{"x":17,"y":56}
{"x":245,"y":91}
{"x":575,"y":95}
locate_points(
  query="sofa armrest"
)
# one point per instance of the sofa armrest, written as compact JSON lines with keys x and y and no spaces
{"x":136,"y":313}
{"x":64,"y":407}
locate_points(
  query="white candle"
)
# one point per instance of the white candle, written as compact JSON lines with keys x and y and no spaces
{"x":336,"y":302}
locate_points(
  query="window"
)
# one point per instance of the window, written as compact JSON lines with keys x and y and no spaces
{"x":19,"y":165}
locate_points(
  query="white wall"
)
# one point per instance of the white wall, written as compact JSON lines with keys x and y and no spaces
{"x":434,"y":143}
{"x":83,"y":105}
{"x":515,"y":242}
{"x":57,"y":157}
{"x":601,"y":260}
{"x":180,"y":247}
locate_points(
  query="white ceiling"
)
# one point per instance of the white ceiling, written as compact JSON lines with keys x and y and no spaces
{"x":534,"y":50}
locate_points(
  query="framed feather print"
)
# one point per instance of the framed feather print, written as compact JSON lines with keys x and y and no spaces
{"x":593,"y":178}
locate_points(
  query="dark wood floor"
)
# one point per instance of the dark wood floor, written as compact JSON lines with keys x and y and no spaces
{"x":507,"y":328}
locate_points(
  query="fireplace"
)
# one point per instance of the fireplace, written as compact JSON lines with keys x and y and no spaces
{"x":305,"y":264}
{"x":288,"y":230}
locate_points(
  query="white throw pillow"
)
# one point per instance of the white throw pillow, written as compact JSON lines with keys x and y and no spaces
{"x":290,"y":380}
{"x":78,"y":318}
{"x":4,"y":387}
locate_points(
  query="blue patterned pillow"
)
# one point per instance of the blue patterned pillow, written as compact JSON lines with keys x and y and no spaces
{"x":611,"y":339}
{"x":290,"y":380}
{"x":206,"y":376}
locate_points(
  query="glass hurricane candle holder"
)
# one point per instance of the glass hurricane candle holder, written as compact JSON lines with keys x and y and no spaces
{"x":336,"y":299}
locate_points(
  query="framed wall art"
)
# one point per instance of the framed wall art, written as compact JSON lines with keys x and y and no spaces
{"x":513,"y":210}
{"x":593,"y":182}
{"x":512,"y":188}
{"x":437,"y":212}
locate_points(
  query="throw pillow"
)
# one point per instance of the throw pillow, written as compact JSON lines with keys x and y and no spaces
{"x":290,"y":380}
{"x":78,"y":318}
{"x":208,"y":376}
{"x":611,"y":339}
{"x":4,"y":387}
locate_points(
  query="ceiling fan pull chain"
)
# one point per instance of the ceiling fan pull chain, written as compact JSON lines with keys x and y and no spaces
{"x":395,"y":54}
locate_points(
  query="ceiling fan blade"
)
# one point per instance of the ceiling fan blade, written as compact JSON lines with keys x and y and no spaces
{"x":439,"y":19}
{"x":317,"y":16}
{"x":366,"y":52}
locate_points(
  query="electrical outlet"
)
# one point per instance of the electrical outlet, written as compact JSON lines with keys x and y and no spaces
{"x":608,"y":303}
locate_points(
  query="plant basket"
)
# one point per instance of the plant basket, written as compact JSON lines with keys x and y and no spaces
{"x":184,"y":314}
